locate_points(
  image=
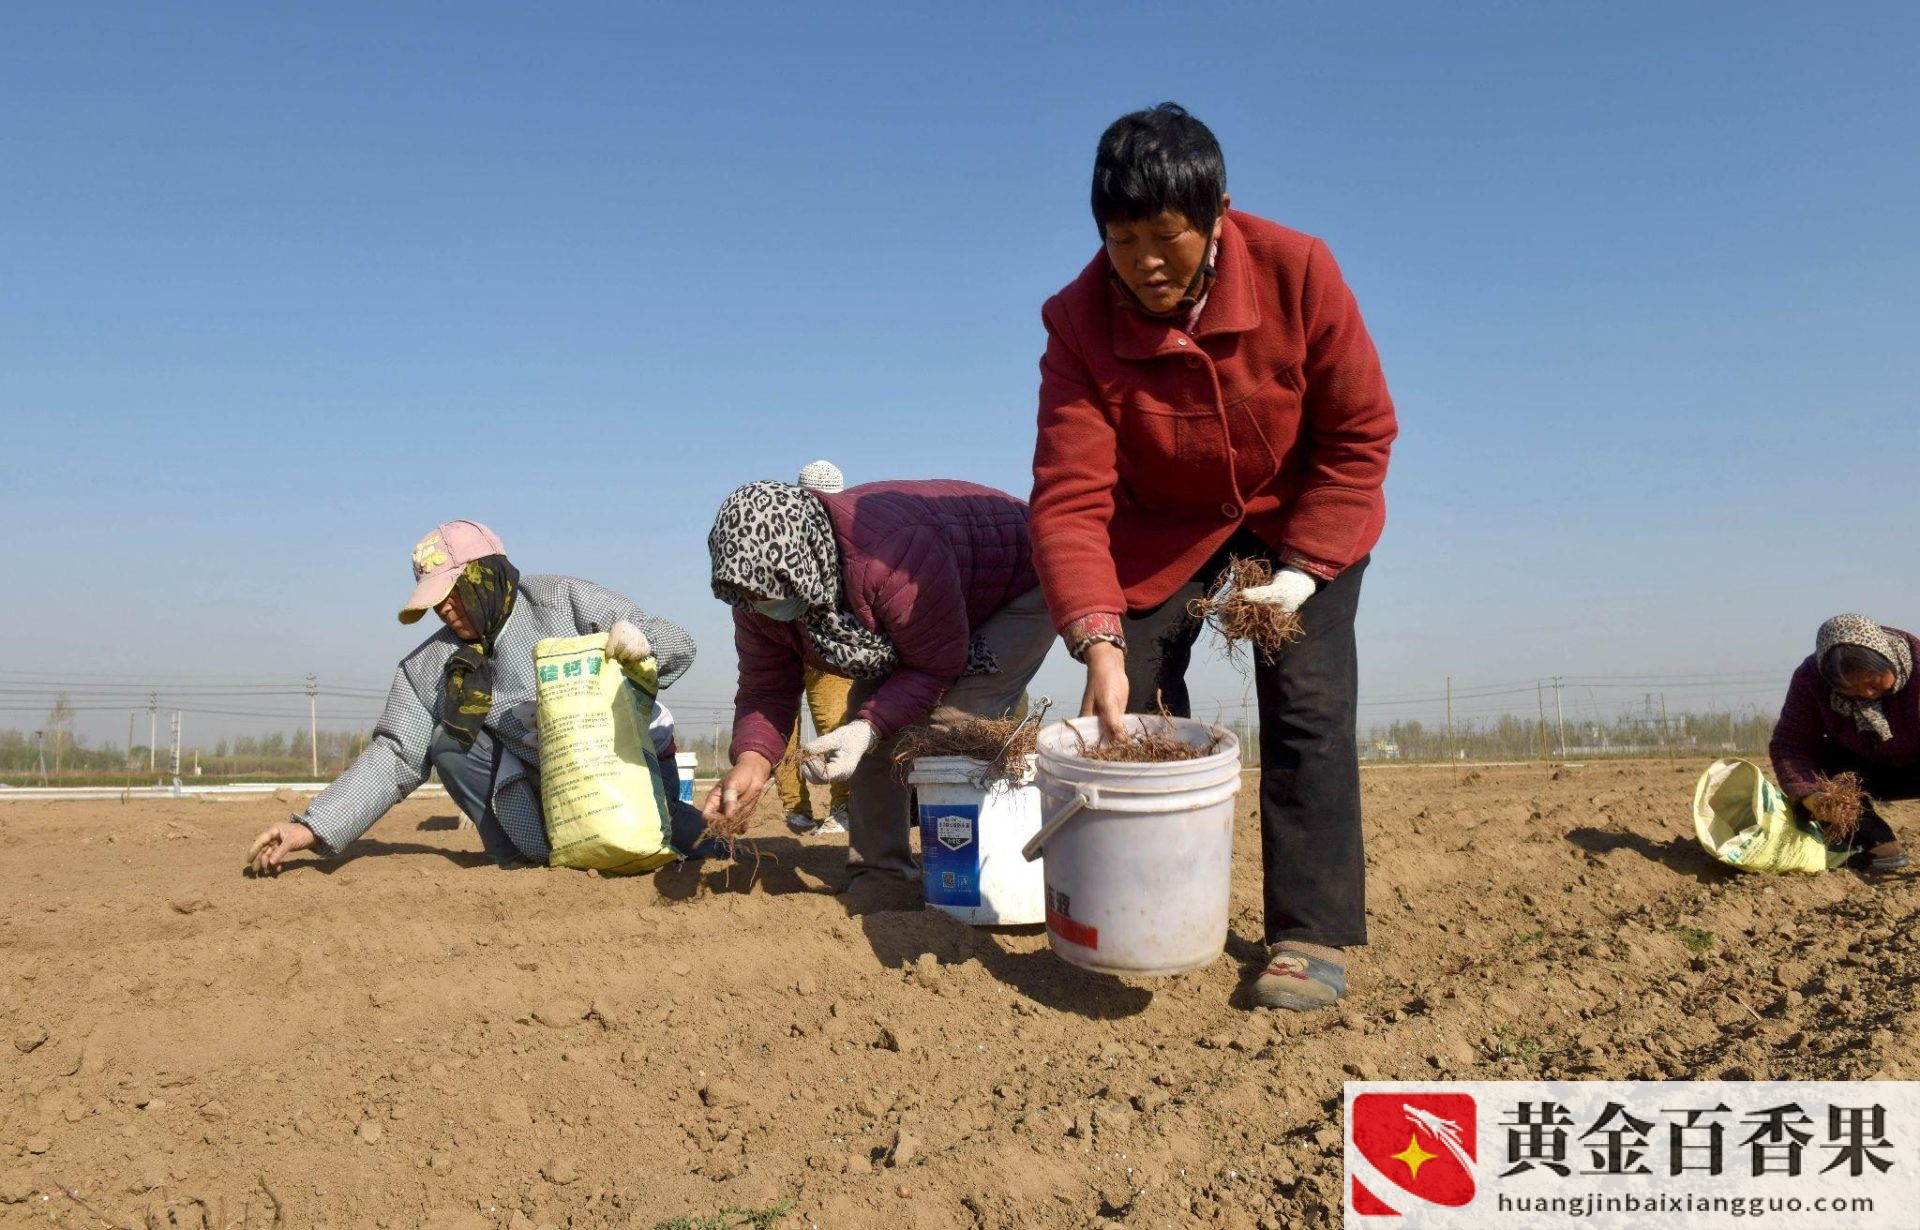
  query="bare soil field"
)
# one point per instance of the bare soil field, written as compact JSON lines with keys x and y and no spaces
{"x":409,"y":1037}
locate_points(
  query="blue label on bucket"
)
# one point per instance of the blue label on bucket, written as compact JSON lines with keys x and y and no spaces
{"x":950,"y":853}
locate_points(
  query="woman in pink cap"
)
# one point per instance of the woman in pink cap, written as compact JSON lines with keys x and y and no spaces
{"x":462,"y":703}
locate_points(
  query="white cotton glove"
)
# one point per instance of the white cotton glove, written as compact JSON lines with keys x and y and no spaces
{"x":626,"y":643}
{"x":1289,"y":589}
{"x":834,"y":757}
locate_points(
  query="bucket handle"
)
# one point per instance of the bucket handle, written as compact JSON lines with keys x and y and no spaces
{"x":1083,"y":797}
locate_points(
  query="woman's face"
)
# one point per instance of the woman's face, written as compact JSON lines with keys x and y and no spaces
{"x":1867,"y":685}
{"x":1158,"y":257}
{"x":451,"y":615}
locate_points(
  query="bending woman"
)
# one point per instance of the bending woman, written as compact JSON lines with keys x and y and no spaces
{"x":462,"y":703}
{"x":1850,"y":708}
{"x":1209,"y":390}
{"x":922,"y":593}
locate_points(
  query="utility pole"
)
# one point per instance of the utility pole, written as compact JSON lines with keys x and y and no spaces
{"x":176,"y":745}
{"x":1560,"y":717}
{"x":313,"y":728}
{"x":1666,"y":732}
{"x":40,"y":746}
{"x":129,"y":790}
{"x":1453,"y":753}
{"x":153,"y":732}
{"x":1540,"y":699}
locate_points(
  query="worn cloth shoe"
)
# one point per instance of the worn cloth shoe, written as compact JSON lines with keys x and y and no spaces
{"x":802,"y":823}
{"x":1877,"y":848}
{"x":1887,"y":856}
{"x":1301,"y":977}
{"x":836,"y":821}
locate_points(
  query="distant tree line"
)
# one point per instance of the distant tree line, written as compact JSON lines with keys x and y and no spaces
{"x":1511,"y":737}
{"x":65,"y":756}
{"x":284,"y":755}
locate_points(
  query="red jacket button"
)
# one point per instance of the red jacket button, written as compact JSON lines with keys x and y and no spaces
{"x":1229,"y":510}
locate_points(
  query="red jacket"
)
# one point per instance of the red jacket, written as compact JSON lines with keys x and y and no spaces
{"x":1156,"y":444}
{"x":923,"y":564}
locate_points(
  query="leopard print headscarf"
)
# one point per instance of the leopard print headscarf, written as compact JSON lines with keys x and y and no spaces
{"x":1864,"y":632}
{"x":775,"y":541}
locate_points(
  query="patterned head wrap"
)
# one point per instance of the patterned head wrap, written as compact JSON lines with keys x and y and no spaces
{"x":773,"y":541}
{"x":485,"y":591}
{"x":1865,"y":633}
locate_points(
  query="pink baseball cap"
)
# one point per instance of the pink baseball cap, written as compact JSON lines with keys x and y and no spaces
{"x":438,"y":559}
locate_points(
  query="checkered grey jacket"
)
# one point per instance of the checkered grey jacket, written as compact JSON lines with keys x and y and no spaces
{"x":396,"y":761}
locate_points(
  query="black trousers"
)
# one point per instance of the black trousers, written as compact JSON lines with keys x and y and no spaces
{"x":1313,"y":866}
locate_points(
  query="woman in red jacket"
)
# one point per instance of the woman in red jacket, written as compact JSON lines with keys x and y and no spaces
{"x":1850,"y":708}
{"x":1209,"y":389}
{"x":922,"y":593}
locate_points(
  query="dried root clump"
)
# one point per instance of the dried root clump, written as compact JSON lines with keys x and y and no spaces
{"x":1842,"y":803}
{"x":728,"y":829}
{"x":739,"y":849}
{"x":1149,"y":746}
{"x":730,"y":833}
{"x":1260,"y":624}
{"x":1001,"y":744}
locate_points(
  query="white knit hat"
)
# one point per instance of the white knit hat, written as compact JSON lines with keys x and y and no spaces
{"x":822,"y":476}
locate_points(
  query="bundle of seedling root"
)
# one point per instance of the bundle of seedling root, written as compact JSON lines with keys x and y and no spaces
{"x":1151,"y":744}
{"x":731,"y":833}
{"x":1001,"y":744}
{"x":1264,"y":626}
{"x":1842,"y":803}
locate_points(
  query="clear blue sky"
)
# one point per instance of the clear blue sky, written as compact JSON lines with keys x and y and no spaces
{"x":280,"y":288}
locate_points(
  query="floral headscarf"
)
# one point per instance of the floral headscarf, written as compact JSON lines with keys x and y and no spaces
{"x":1865,"y":633}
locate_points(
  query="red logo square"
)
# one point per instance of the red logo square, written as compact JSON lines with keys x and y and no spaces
{"x":1419,"y":1145}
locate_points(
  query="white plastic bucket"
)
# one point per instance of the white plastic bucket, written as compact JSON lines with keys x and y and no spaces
{"x":688,"y":763}
{"x":1139,"y":857}
{"x":970,"y":839}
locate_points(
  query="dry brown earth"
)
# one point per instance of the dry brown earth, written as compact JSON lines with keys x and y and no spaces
{"x":409,"y":1037}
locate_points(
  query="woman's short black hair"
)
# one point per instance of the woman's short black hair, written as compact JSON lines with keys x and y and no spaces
{"x":1161,"y":158}
{"x":1844,"y":661}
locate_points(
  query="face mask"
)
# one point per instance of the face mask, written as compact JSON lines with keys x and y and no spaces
{"x":785,"y":610}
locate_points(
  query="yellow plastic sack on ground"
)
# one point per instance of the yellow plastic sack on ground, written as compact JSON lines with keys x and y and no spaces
{"x":599,"y":777}
{"x":1744,"y":821}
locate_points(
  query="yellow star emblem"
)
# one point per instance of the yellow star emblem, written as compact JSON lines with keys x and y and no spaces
{"x":1414,"y":1156}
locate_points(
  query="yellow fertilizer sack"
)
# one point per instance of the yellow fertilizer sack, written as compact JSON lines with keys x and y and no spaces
{"x":1744,"y":821}
{"x":600,"y":780}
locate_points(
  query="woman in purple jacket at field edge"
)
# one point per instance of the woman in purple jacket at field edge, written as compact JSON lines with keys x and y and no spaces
{"x":922,"y":592}
{"x":1851,"y":708}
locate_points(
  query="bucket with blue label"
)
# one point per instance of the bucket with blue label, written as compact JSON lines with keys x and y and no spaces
{"x":688,"y":764}
{"x":971,"y":834}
